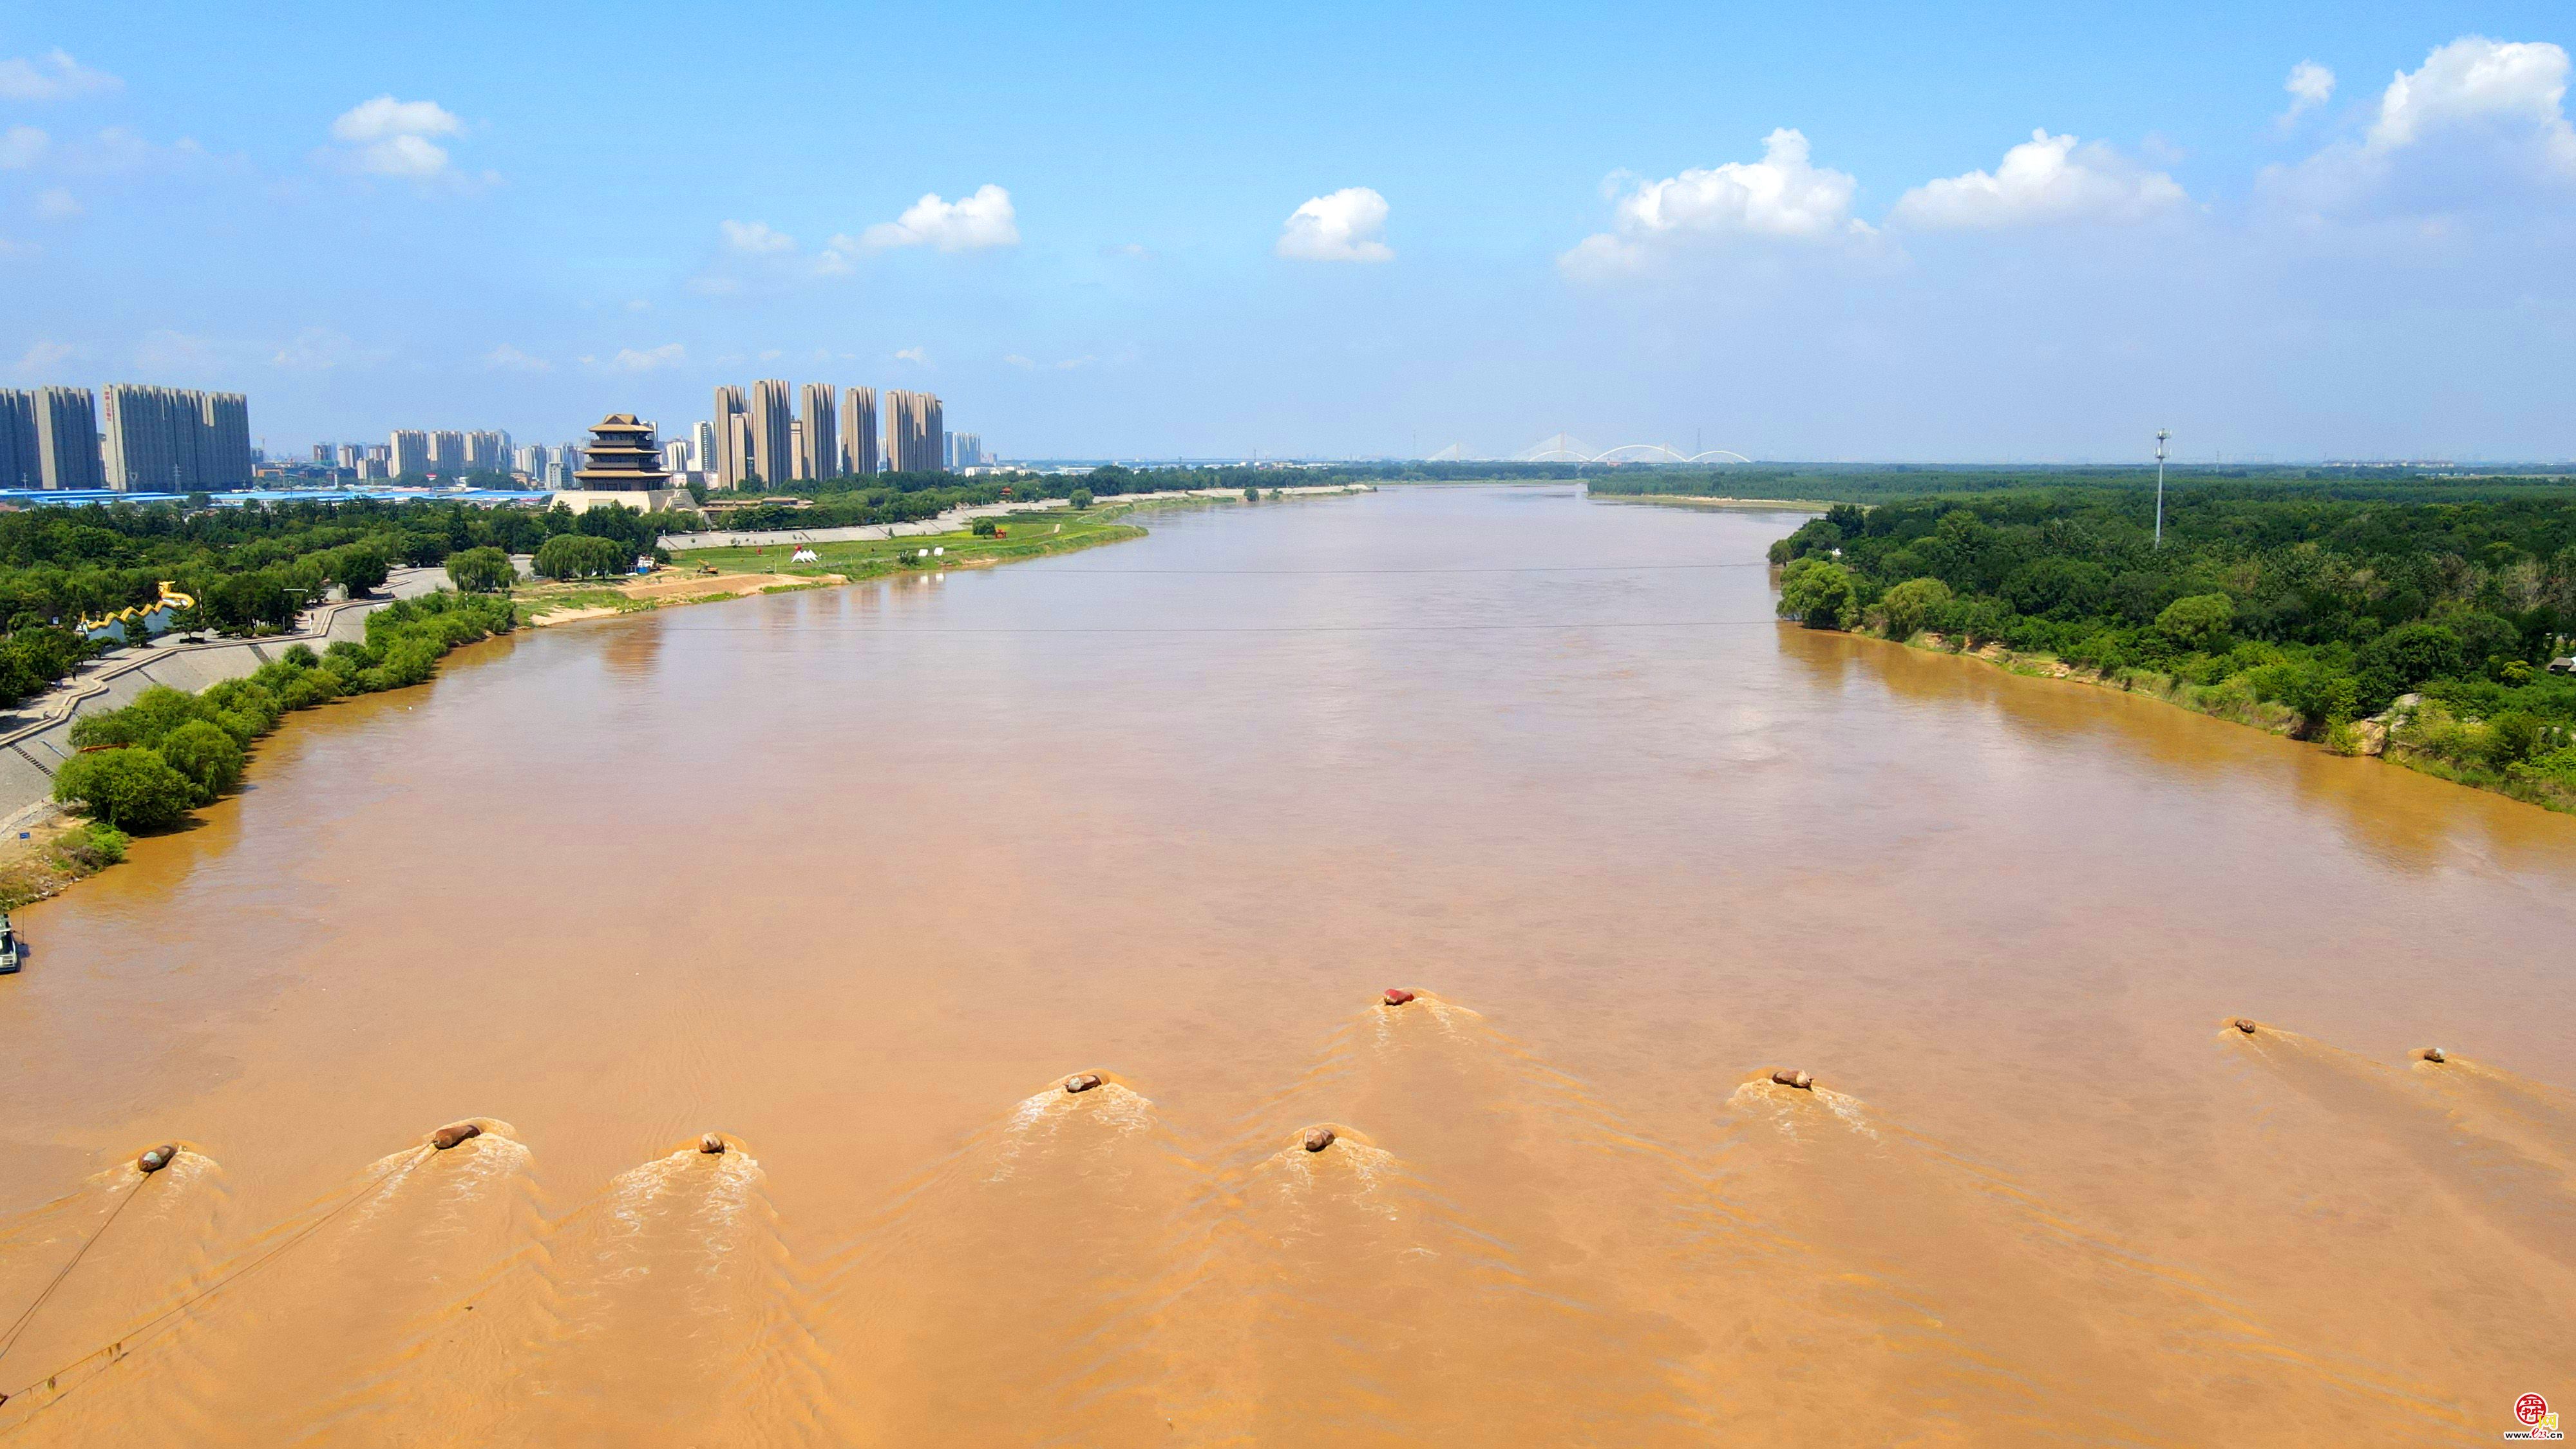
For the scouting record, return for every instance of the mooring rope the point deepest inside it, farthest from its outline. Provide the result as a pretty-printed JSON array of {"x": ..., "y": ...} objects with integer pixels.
[
  {"x": 169, "y": 1317},
  {"x": 19, "y": 1328}
]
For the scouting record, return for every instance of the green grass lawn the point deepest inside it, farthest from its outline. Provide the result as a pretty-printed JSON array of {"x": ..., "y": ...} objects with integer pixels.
[{"x": 1028, "y": 536}]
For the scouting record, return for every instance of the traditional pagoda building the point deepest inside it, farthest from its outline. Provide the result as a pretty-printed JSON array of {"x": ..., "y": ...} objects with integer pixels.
[{"x": 623, "y": 464}]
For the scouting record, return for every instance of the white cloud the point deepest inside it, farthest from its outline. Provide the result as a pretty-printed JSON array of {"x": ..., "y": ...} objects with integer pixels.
[
  {"x": 165, "y": 350},
  {"x": 20, "y": 146},
  {"x": 2480, "y": 122},
  {"x": 318, "y": 349},
  {"x": 43, "y": 356},
  {"x": 1783, "y": 196},
  {"x": 2044, "y": 179},
  {"x": 756, "y": 237},
  {"x": 913, "y": 355},
  {"x": 1344, "y": 226},
  {"x": 385, "y": 117},
  {"x": 2476, "y": 82},
  {"x": 506, "y": 358},
  {"x": 2310, "y": 85},
  {"x": 387, "y": 137},
  {"x": 669, "y": 354},
  {"x": 56, "y": 76},
  {"x": 984, "y": 219},
  {"x": 55, "y": 204},
  {"x": 1016, "y": 360},
  {"x": 11, "y": 247}
]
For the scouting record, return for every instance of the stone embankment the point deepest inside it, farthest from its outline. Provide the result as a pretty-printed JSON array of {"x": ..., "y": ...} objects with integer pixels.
[{"x": 35, "y": 738}]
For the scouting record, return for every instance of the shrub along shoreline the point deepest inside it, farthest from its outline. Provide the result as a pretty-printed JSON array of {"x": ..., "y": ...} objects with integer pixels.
[
  {"x": 2420, "y": 631},
  {"x": 149, "y": 765}
]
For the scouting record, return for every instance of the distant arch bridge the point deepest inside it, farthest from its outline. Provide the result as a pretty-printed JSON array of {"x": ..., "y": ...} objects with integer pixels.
[{"x": 1566, "y": 448}]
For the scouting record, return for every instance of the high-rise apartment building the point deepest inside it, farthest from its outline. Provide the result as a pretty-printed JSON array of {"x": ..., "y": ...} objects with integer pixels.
[
  {"x": 529, "y": 459},
  {"x": 773, "y": 432},
  {"x": 821, "y": 453},
  {"x": 150, "y": 443},
  {"x": 966, "y": 450},
  {"x": 19, "y": 466},
  {"x": 675, "y": 456},
  {"x": 67, "y": 451},
  {"x": 223, "y": 440},
  {"x": 859, "y": 432},
  {"x": 371, "y": 465},
  {"x": 408, "y": 452},
  {"x": 447, "y": 453},
  {"x": 729, "y": 437},
  {"x": 702, "y": 448},
  {"x": 487, "y": 452},
  {"x": 916, "y": 430},
  {"x": 350, "y": 455}
]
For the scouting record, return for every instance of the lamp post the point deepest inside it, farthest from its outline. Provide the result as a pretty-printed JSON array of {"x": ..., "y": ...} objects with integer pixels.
[{"x": 2161, "y": 435}]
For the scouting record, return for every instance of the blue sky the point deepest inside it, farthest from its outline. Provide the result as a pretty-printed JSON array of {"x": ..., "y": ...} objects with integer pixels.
[{"x": 2282, "y": 231}]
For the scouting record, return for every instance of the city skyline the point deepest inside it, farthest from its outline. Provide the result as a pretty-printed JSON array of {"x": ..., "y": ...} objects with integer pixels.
[{"x": 1895, "y": 235}]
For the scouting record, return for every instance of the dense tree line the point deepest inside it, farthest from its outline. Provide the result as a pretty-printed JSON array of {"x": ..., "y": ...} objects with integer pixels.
[
  {"x": 1890, "y": 482},
  {"x": 2329, "y": 608},
  {"x": 144, "y": 767}
]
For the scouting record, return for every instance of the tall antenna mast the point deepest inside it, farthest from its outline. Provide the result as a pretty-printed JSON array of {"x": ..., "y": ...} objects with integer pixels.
[{"x": 2161, "y": 435}]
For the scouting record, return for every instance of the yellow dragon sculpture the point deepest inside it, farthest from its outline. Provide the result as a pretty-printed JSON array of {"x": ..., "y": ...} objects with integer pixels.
[{"x": 170, "y": 599}]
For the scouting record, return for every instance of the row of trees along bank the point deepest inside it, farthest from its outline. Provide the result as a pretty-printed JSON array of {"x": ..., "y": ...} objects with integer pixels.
[
  {"x": 252, "y": 569},
  {"x": 146, "y": 766},
  {"x": 2306, "y": 614},
  {"x": 912, "y": 497}
]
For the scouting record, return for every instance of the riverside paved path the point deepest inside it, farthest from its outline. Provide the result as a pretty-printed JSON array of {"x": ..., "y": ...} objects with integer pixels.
[
  {"x": 956, "y": 518},
  {"x": 35, "y": 737}
]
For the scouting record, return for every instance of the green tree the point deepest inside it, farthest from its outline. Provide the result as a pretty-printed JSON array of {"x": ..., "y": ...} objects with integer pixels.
[
  {"x": 1251, "y": 493},
  {"x": 1079, "y": 498},
  {"x": 2410, "y": 654},
  {"x": 1818, "y": 592},
  {"x": 579, "y": 556},
  {"x": 208, "y": 756},
  {"x": 2198, "y": 622},
  {"x": 361, "y": 568},
  {"x": 1911, "y": 606},
  {"x": 984, "y": 528},
  {"x": 131, "y": 789},
  {"x": 484, "y": 570}
]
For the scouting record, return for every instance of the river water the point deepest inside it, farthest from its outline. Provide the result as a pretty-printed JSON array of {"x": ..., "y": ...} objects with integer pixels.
[{"x": 856, "y": 876}]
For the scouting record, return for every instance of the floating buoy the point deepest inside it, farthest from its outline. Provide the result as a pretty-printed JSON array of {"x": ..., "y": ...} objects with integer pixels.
[
  {"x": 1319, "y": 1139},
  {"x": 1788, "y": 1077},
  {"x": 1397, "y": 996},
  {"x": 2429, "y": 1054},
  {"x": 711, "y": 1143},
  {"x": 2245, "y": 1024},
  {"x": 1082, "y": 1081},
  {"x": 453, "y": 1133},
  {"x": 158, "y": 1158}
]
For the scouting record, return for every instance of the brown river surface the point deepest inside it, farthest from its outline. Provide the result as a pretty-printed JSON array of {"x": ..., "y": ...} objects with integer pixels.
[{"x": 856, "y": 876}]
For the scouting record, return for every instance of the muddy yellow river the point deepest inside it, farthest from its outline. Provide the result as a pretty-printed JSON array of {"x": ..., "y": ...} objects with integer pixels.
[{"x": 857, "y": 877}]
